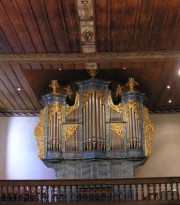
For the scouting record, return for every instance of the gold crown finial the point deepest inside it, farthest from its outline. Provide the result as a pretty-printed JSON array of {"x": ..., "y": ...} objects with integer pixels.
[
  {"x": 92, "y": 72},
  {"x": 54, "y": 85},
  {"x": 132, "y": 84}
]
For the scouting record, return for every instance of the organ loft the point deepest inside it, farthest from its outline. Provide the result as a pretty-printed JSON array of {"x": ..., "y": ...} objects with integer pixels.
[{"x": 93, "y": 137}]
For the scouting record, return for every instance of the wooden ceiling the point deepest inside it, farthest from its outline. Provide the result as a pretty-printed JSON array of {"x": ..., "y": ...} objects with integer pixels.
[{"x": 39, "y": 37}]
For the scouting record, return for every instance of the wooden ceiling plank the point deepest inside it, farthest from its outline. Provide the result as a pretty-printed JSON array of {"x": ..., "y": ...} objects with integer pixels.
[
  {"x": 9, "y": 32},
  {"x": 101, "y": 17},
  {"x": 136, "y": 24},
  {"x": 143, "y": 24},
  {"x": 2, "y": 105},
  {"x": 36, "y": 66},
  {"x": 9, "y": 96},
  {"x": 116, "y": 25},
  {"x": 167, "y": 31},
  {"x": 172, "y": 44},
  {"x": 25, "y": 66},
  {"x": 49, "y": 24},
  {"x": 18, "y": 25},
  {"x": 42, "y": 23},
  {"x": 8, "y": 80},
  {"x": 128, "y": 24},
  {"x": 28, "y": 19},
  {"x": 24, "y": 83},
  {"x": 150, "y": 27},
  {"x": 70, "y": 19},
  {"x": 171, "y": 79},
  {"x": 65, "y": 58},
  {"x": 7, "y": 104},
  {"x": 46, "y": 66},
  {"x": 109, "y": 24},
  {"x": 162, "y": 75},
  {"x": 4, "y": 45},
  {"x": 157, "y": 22}
]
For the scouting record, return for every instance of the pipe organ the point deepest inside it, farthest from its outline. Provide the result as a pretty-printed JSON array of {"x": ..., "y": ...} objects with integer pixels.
[{"x": 94, "y": 138}]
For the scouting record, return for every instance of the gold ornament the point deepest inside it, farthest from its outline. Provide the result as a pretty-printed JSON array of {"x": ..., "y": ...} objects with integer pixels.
[
  {"x": 54, "y": 85},
  {"x": 117, "y": 108},
  {"x": 89, "y": 92},
  {"x": 132, "y": 84},
  {"x": 39, "y": 133},
  {"x": 53, "y": 108},
  {"x": 70, "y": 130},
  {"x": 70, "y": 109},
  {"x": 117, "y": 128},
  {"x": 148, "y": 131}
]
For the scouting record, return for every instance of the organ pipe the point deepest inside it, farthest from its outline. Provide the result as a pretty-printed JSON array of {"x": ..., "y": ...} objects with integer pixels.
[{"x": 91, "y": 116}]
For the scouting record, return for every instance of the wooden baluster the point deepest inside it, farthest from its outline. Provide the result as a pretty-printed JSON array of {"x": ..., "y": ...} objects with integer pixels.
[
  {"x": 71, "y": 193},
  {"x": 41, "y": 193},
  {"x": 124, "y": 192},
  {"x": 113, "y": 193},
  {"x": 154, "y": 191},
  {"x": 47, "y": 193},
  {"x": 77, "y": 193},
  {"x": 148, "y": 191},
  {"x": 119, "y": 193},
  {"x": 166, "y": 196},
  {"x": 130, "y": 191},
  {"x": 142, "y": 191},
  {"x": 136, "y": 191},
  {"x": 59, "y": 193},
  {"x": 52, "y": 194},
  {"x": 172, "y": 193},
  {"x": 177, "y": 190},
  {"x": 65, "y": 197},
  {"x": 160, "y": 192}
]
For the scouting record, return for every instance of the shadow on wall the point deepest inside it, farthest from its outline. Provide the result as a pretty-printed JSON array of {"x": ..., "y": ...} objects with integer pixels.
[
  {"x": 165, "y": 160},
  {"x": 20, "y": 151},
  {"x": 4, "y": 127}
]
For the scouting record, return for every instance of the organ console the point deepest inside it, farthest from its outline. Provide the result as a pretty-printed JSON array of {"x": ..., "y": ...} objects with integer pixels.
[{"x": 94, "y": 138}]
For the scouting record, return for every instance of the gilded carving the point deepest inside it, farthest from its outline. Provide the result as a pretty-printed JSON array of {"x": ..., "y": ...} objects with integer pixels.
[
  {"x": 70, "y": 109},
  {"x": 92, "y": 72},
  {"x": 89, "y": 92},
  {"x": 131, "y": 83},
  {"x": 135, "y": 106},
  {"x": 39, "y": 133},
  {"x": 148, "y": 131},
  {"x": 117, "y": 108},
  {"x": 53, "y": 108},
  {"x": 70, "y": 130},
  {"x": 54, "y": 85},
  {"x": 117, "y": 128}
]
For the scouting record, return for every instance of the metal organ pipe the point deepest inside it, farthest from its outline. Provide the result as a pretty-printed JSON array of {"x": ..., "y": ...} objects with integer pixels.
[
  {"x": 103, "y": 126},
  {"x": 133, "y": 130},
  {"x": 97, "y": 122},
  {"x": 89, "y": 123},
  {"x": 94, "y": 123}
]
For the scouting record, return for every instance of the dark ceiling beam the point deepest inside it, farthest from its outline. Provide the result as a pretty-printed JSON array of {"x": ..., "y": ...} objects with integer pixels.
[{"x": 109, "y": 57}]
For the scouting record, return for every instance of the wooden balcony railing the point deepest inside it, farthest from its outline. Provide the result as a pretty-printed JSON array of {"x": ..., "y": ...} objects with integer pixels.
[{"x": 106, "y": 191}]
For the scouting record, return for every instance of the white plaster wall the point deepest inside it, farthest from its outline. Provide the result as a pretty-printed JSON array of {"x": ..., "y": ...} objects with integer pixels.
[
  {"x": 18, "y": 150},
  {"x": 19, "y": 160},
  {"x": 165, "y": 158}
]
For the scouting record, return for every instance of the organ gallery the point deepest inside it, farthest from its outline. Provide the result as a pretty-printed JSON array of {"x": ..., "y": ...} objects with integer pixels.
[{"x": 93, "y": 136}]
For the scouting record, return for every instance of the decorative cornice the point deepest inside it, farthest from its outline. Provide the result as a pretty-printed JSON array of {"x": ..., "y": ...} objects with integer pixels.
[
  {"x": 19, "y": 113},
  {"x": 35, "y": 113},
  {"x": 106, "y": 57}
]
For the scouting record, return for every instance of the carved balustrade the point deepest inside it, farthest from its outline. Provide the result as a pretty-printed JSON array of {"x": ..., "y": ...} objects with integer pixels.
[{"x": 159, "y": 190}]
